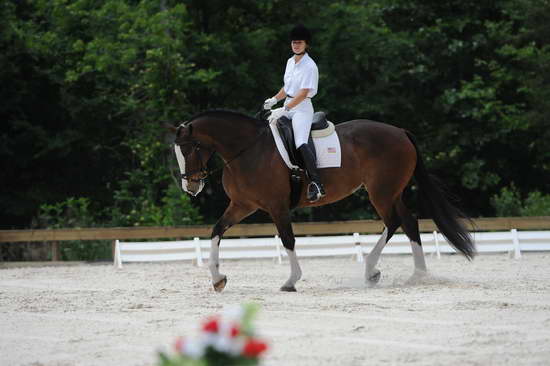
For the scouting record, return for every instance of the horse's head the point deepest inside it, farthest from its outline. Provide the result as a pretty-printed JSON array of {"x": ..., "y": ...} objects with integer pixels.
[{"x": 192, "y": 159}]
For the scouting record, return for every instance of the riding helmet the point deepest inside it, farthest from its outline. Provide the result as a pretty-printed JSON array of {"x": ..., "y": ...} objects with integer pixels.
[{"x": 300, "y": 33}]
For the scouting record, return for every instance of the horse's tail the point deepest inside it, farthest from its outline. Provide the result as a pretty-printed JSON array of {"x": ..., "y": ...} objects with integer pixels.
[{"x": 445, "y": 215}]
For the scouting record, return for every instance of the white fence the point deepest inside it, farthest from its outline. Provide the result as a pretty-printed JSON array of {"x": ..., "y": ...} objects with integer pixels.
[{"x": 355, "y": 246}]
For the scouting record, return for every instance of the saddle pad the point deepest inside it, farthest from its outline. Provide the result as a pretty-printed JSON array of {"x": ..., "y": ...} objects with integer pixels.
[
  {"x": 329, "y": 154},
  {"x": 328, "y": 150}
]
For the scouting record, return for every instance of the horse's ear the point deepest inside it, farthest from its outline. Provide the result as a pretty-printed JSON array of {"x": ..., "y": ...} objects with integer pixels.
[{"x": 169, "y": 127}]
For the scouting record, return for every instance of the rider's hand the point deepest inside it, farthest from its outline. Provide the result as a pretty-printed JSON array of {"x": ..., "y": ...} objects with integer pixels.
[
  {"x": 276, "y": 114},
  {"x": 269, "y": 103}
]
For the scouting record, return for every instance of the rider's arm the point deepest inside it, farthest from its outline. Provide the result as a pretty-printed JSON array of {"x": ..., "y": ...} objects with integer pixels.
[
  {"x": 280, "y": 95},
  {"x": 298, "y": 98}
]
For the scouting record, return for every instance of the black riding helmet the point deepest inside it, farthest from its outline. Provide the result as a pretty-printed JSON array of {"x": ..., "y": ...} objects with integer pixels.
[{"x": 300, "y": 33}]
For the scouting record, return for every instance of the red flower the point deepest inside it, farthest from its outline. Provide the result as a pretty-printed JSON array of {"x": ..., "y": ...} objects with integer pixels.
[
  {"x": 253, "y": 348},
  {"x": 234, "y": 331},
  {"x": 211, "y": 326},
  {"x": 178, "y": 344}
]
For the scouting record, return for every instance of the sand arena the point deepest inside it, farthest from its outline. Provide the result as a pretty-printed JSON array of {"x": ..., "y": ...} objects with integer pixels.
[{"x": 492, "y": 311}]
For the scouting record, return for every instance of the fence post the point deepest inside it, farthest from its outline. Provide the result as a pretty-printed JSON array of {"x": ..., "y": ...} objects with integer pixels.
[
  {"x": 515, "y": 239},
  {"x": 113, "y": 249},
  {"x": 55, "y": 251},
  {"x": 117, "y": 258},
  {"x": 358, "y": 247},
  {"x": 278, "y": 247},
  {"x": 438, "y": 253},
  {"x": 198, "y": 251}
]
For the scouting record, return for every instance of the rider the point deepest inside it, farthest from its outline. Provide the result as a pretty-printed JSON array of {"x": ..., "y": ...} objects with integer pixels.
[{"x": 300, "y": 85}]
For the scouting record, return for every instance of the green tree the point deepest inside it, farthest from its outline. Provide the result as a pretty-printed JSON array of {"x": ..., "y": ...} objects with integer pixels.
[
  {"x": 87, "y": 84},
  {"x": 114, "y": 70}
]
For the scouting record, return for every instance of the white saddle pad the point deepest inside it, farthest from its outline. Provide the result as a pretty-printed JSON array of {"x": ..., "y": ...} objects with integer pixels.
[{"x": 329, "y": 154}]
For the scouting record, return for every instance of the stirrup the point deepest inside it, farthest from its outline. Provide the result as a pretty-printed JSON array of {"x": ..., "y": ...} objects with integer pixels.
[{"x": 315, "y": 192}]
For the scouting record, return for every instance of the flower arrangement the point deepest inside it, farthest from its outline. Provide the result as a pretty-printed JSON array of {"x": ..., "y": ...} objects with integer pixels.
[{"x": 224, "y": 340}]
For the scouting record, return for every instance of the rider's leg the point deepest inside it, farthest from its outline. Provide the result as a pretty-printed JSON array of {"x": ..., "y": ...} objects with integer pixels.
[
  {"x": 302, "y": 117},
  {"x": 315, "y": 189}
]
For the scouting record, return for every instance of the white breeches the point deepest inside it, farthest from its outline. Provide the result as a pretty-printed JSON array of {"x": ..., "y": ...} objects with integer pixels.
[{"x": 301, "y": 116}]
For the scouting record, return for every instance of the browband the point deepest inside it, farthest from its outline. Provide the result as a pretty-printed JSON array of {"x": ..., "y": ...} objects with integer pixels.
[{"x": 189, "y": 127}]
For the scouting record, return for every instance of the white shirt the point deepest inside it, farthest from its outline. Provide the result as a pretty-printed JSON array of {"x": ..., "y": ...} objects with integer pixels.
[{"x": 301, "y": 75}]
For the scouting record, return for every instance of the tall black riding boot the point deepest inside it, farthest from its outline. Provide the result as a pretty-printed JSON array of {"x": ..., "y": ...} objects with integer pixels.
[{"x": 315, "y": 189}]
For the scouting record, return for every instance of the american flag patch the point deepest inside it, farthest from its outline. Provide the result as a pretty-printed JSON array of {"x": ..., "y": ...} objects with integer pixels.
[{"x": 331, "y": 150}]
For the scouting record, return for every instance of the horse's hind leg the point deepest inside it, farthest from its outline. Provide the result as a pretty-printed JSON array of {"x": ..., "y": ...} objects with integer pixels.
[
  {"x": 391, "y": 223},
  {"x": 410, "y": 225},
  {"x": 232, "y": 215}
]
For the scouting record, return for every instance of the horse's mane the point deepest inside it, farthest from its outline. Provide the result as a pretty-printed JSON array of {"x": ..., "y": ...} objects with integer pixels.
[{"x": 228, "y": 113}]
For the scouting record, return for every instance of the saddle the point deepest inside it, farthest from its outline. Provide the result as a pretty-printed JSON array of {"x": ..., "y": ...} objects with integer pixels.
[{"x": 284, "y": 125}]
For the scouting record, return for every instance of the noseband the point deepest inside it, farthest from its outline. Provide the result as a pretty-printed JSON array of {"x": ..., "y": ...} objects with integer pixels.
[{"x": 203, "y": 169}]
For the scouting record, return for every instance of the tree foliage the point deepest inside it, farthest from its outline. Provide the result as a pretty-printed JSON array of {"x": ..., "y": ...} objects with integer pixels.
[{"x": 86, "y": 86}]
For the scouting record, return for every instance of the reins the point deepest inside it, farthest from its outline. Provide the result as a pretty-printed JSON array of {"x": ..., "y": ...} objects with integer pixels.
[
  {"x": 204, "y": 167},
  {"x": 239, "y": 153}
]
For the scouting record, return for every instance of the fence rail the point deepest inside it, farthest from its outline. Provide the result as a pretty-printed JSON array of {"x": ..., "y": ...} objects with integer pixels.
[
  {"x": 355, "y": 246},
  {"x": 250, "y": 230},
  {"x": 54, "y": 236}
]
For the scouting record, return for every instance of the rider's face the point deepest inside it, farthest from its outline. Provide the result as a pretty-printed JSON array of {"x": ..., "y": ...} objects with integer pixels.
[{"x": 298, "y": 46}]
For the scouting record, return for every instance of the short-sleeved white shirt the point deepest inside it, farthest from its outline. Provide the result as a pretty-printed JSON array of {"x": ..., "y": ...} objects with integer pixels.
[{"x": 301, "y": 75}]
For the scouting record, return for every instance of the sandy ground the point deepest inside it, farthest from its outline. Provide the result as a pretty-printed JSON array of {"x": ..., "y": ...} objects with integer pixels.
[{"x": 493, "y": 311}]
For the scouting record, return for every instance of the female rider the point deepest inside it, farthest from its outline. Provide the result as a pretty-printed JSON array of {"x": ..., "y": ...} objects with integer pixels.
[{"x": 300, "y": 85}]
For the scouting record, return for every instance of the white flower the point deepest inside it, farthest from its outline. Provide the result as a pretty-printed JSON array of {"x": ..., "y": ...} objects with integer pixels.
[
  {"x": 237, "y": 346},
  {"x": 222, "y": 344},
  {"x": 194, "y": 348}
]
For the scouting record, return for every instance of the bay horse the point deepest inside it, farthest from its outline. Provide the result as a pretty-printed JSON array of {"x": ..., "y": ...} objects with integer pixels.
[{"x": 380, "y": 157}]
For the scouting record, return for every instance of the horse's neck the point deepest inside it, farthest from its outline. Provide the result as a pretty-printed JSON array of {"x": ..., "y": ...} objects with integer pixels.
[{"x": 228, "y": 137}]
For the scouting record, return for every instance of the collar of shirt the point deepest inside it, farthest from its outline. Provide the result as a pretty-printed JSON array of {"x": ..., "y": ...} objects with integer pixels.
[{"x": 304, "y": 60}]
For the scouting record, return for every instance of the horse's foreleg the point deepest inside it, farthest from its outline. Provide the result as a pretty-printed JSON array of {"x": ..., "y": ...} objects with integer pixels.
[
  {"x": 232, "y": 215},
  {"x": 284, "y": 227},
  {"x": 295, "y": 271},
  {"x": 218, "y": 280}
]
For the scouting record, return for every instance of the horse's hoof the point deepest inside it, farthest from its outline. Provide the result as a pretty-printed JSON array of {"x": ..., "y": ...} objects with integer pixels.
[
  {"x": 288, "y": 289},
  {"x": 220, "y": 285},
  {"x": 417, "y": 278},
  {"x": 373, "y": 279}
]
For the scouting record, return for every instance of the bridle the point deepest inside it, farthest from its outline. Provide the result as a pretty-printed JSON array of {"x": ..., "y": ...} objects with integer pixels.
[{"x": 203, "y": 171}]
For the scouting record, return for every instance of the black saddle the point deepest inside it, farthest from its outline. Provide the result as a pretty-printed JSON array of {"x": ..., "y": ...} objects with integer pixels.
[
  {"x": 284, "y": 126},
  {"x": 319, "y": 121}
]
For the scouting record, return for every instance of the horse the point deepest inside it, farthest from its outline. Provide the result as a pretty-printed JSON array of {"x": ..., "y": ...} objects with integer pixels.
[{"x": 380, "y": 157}]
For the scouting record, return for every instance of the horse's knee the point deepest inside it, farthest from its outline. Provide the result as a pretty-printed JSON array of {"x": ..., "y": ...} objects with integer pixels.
[{"x": 220, "y": 228}]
